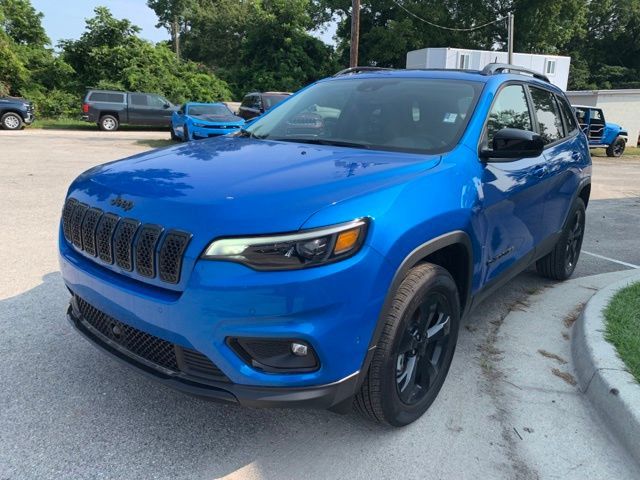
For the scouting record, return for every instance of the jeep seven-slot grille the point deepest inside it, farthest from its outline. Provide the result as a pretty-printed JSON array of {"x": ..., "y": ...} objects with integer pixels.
[
  {"x": 154, "y": 350},
  {"x": 125, "y": 242}
]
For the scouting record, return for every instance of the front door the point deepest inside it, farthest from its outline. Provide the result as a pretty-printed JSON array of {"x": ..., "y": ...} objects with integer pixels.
[{"x": 513, "y": 191}]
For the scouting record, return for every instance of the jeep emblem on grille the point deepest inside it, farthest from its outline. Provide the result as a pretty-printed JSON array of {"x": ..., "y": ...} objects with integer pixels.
[{"x": 126, "y": 205}]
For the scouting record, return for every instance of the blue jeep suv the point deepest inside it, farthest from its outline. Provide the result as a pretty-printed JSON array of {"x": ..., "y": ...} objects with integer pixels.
[{"x": 325, "y": 255}]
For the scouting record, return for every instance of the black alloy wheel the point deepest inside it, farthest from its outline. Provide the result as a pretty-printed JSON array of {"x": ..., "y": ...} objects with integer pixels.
[{"x": 421, "y": 353}]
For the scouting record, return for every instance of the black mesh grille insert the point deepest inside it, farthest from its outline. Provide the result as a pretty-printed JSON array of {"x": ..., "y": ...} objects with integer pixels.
[
  {"x": 199, "y": 365},
  {"x": 89, "y": 225},
  {"x": 76, "y": 224},
  {"x": 123, "y": 243},
  {"x": 67, "y": 213},
  {"x": 104, "y": 236},
  {"x": 145, "y": 250},
  {"x": 149, "y": 347},
  {"x": 171, "y": 252}
]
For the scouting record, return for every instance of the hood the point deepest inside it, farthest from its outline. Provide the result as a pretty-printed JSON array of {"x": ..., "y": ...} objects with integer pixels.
[
  {"x": 209, "y": 118},
  {"x": 235, "y": 186},
  {"x": 13, "y": 100}
]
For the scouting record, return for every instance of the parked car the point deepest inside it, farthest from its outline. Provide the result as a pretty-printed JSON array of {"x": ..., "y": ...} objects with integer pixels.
[
  {"x": 203, "y": 120},
  {"x": 15, "y": 113},
  {"x": 599, "y": 132},
  {"x": 109, "y": 109},
  {"x": 334, "y": 267},
  {"x": 256, "y": 103}
]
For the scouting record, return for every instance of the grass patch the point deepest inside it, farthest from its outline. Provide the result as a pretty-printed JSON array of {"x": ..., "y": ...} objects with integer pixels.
[
  {"x": 623, "y": 326},
  {"x": 62, "y": 124},
  {"x": 77, "y": 124},
  {"x": 629, "y": 151}
]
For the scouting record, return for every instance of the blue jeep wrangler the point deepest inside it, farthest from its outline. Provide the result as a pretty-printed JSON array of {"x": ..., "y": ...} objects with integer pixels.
[
  {"x": 599, "y": 132},
  {"x": 326, "y": 255}
]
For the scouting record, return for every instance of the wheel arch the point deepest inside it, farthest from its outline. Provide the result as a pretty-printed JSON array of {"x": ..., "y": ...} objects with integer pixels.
[
  {"x": 585, "y": 192},
  {"x": 452, "y": 251},
  {"x": 11, "y": 110},
  {"x": 109, "y": 112}
]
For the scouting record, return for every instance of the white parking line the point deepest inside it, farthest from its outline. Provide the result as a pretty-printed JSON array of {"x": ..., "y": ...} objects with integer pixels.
[{"x": 611, "y": 259}]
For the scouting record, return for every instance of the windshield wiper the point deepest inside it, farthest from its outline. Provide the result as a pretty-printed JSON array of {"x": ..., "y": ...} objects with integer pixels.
[
  {"x": 323, "y": 141},
  {"x": 246, "y": 133}
]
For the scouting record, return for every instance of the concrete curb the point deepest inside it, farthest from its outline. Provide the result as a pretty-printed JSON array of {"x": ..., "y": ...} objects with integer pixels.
[{"x": 602, "y": 375}]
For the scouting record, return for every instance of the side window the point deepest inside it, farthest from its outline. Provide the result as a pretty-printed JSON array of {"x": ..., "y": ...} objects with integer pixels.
[
  {"x": 256, "y": 102},
  {"x": 509, "y": 110},
  {"x": 156, "y": 101},
  {"x": 246, "y": 101},
  {"x": 567, "y": 114},
  {"x": 139, "y": 99},
  {"x": 548, "y": 115}
]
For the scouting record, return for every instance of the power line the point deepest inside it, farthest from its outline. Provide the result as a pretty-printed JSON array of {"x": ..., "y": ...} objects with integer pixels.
[{"x": 447, "y": 28}]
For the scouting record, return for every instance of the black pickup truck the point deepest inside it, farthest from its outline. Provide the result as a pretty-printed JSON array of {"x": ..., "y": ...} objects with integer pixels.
[
  {"x": 109, "y": 109},
  {"x": 15, "y": 113}
]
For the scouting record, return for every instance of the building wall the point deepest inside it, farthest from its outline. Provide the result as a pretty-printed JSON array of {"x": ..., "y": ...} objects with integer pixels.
[
  {"x": 619, "y": 106},
  {"x": 478, "y": 59}
]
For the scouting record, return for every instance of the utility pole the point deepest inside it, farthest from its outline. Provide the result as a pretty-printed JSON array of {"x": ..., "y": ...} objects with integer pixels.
[
  {"x": 510, "y": 39},
  {"x": 355, "y": 32},
  {"x": 175, "y": 33}
]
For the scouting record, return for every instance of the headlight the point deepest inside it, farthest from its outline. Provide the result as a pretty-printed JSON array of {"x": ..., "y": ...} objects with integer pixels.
[
  {"x": 292, "y": 251},
  {"x": 195, "y": 124}
]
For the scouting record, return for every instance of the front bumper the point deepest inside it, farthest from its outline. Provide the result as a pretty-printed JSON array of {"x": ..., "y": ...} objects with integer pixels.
[
  {"x": 206, "y": 132},
  {"x": 321, "y": 396},
  {"x": 333, "y": 308},
  {"x": 29, "y": 118}
]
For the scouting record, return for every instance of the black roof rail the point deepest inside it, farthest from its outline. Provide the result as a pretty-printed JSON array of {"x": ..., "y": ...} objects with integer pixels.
[
  {"x": 493, "y": 68},
  {"x": 350, "y": 70}
]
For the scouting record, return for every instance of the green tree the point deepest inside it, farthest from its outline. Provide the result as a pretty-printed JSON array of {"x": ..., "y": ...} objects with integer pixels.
[
  {"x": 109, "y": 54},
  {"x": 258, "y": 44},
  {"x": 22, "y": 23},
  {"x": 172, "y": 15}
]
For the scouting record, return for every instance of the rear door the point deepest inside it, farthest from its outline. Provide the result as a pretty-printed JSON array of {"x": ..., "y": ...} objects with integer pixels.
[
  {"x": 566, "y": 153},
  {"x": 513, "y": 190}
]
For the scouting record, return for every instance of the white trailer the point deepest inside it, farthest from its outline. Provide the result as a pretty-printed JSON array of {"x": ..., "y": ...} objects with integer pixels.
[{"x": 555, "y": 67}]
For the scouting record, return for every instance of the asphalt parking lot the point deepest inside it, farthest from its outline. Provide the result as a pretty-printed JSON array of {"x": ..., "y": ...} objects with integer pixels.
[{"x": 69, "y": 411}]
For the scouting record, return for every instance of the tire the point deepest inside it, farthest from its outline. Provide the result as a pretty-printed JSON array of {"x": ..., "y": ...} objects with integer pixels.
[
  {"x": 108, "y": 123},
  {"x": 186, "y": 137},
  {"x": 400, "y": 386},
  {"x": 11, "y": 121},
  {"x": 616, "y": 149},
  {"x": 174, "y": 137},
  {"x": 561, "y": 262}
]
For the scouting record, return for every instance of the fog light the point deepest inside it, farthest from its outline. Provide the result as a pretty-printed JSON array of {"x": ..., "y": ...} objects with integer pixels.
[
  {"x": 276, "y": 355},
  {"x": 299, "y": 349}
]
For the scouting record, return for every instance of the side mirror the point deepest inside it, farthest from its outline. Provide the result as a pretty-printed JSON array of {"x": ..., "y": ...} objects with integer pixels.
[
  {"x": 167, "y": 105},
  {"x": 510, "y": 143}
]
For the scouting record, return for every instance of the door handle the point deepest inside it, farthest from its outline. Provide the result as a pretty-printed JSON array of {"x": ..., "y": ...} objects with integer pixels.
[{"x": 539, "y": 171}]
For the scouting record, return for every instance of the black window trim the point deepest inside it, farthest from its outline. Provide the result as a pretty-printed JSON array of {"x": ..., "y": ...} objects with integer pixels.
[{"x": 560, "y": 99}]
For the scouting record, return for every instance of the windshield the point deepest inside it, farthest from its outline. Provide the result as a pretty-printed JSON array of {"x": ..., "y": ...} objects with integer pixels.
[
  {"x": 196, "y": 110},
  {"x": 271, "y": 100},
  {"x": 398, "y": 114}
]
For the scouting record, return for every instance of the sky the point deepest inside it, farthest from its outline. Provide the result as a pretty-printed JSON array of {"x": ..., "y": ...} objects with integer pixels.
[{"x": 65, "y": 19}]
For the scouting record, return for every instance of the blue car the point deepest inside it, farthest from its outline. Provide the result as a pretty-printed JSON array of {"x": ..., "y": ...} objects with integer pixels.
[
  {"x": 203, "y": 120},
  {"x": 599, "y": 132},
  {"x": 326, "y": 255}
]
